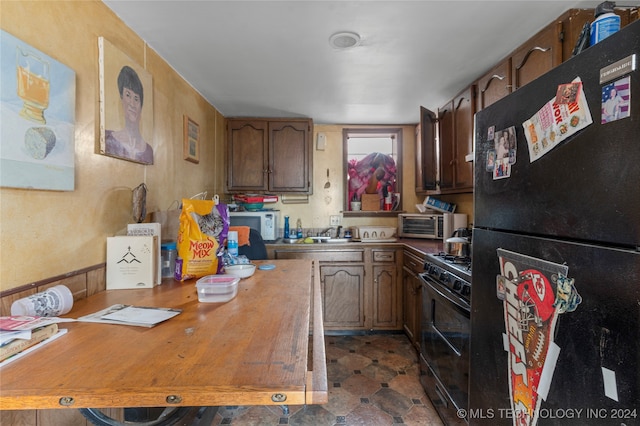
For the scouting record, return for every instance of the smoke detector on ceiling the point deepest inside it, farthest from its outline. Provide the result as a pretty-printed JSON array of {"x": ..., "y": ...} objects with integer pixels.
[{"x": 344, "y": 40}]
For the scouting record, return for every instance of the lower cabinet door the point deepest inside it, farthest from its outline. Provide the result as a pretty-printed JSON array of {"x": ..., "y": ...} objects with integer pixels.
[
  {"x": 343, "y": 296},
  {"x": 385, "y": 297}
]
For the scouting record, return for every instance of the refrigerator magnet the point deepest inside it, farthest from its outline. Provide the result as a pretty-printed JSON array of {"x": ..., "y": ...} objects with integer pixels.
[
  {"x": 616, "y": 100},
  {"x": 502, "y": 169},
  {"x": 491, "y": 160},
  {"x": 568, "y": 93},
  {"x": 501, "y": 286}
]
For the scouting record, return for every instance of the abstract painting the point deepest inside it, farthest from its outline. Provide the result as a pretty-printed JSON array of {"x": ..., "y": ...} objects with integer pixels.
[{"x": 37, "y": 118}]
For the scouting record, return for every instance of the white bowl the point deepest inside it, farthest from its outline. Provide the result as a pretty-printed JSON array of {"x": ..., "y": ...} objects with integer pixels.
[{"x": 241, "y": 270}]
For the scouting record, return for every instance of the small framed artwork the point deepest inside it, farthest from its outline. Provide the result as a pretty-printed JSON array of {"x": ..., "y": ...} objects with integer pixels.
[{"x": 191, "y": 140}]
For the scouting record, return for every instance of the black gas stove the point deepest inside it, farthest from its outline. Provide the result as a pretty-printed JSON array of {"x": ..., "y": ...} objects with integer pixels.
[{"x": 445, "y": 328}]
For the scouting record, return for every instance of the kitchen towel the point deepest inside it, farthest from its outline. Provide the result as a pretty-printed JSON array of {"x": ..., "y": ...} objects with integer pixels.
[{"x": 243, "y": 234}]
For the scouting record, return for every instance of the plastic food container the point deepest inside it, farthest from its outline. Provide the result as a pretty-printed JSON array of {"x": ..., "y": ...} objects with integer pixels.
[
  {"x": 168, "y": 254},
  {"x": 217, "y": 288}
]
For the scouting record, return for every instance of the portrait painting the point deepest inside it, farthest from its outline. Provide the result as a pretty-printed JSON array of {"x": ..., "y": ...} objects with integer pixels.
[
  {"x": 126, "y": 106},
  {"x": 37, "y": 118}
]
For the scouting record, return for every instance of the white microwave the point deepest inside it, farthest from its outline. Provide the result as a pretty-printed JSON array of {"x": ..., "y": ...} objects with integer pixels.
[
  {"x": 420, "y": 225},
  {"x": 266, "y": 222}
]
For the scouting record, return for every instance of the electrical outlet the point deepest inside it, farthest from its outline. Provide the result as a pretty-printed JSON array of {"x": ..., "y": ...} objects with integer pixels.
[{"x": 335, "y": 220}]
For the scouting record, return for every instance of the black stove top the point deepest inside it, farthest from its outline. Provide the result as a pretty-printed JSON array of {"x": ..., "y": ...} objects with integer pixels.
[
  {"x": 459, "y": 265},
  {"x": 450, "y": 272}
]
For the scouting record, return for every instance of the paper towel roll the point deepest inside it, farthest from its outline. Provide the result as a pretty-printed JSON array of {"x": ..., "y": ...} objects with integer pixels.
[{"x": 451, "y": 222}]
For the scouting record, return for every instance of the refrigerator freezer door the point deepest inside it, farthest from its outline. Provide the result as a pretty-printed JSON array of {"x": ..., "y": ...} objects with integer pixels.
[
  {"x": 598, "y": 363},
  {"x": 588, "y": 187}
]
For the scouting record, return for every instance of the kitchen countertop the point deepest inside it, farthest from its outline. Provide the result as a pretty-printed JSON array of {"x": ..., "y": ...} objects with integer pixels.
[
  {"x": 421, "y": 246},
  {"x": 248, "y": 351}
]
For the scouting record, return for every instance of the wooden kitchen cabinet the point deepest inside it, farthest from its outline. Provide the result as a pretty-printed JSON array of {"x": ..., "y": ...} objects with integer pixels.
[
  {"x": 360, "y": 286},
  {"x": 455, "y": 131},
  {"x": 441, "y": 167},
  {"x": 412, "y": 265},
  {"x": 269, "y": 155},
  {"x": 574, "y": 19}
]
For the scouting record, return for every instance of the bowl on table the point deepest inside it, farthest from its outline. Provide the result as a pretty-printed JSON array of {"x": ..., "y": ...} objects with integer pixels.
[{"x": 244, "y": 270}]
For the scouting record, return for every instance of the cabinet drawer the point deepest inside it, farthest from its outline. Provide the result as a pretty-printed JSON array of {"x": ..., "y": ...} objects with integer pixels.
[
  {"x": 413, "y": 262},
  {"x": 322, "y": 255},
  {"x": 384, "y": 255}
]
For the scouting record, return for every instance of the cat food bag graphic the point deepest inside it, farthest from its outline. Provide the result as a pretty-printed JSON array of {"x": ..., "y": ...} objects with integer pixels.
[
  {"x": 534, "y": 292},
  {"x": 204, "y": 226}
]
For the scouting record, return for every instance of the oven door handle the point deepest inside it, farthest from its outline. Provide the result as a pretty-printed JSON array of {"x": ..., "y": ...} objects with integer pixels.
[
  {"x": 453, "y": 348},
  {"x": 457, "y": 303}
]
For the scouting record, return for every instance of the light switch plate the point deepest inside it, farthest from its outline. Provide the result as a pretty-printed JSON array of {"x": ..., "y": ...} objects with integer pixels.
[
  {"x": 335, "y": 220},
  {"x": 321, "y": 142}
]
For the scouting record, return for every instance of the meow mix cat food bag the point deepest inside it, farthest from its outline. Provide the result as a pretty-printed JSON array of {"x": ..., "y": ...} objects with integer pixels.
[{"x": 201, "y": 237}]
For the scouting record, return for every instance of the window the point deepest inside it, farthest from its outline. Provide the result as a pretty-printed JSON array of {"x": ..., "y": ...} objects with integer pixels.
[{"x": 372, "y": 161}]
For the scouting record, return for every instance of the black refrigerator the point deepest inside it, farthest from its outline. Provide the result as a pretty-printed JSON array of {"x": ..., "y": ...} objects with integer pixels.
[{"x": 555, "y": 312}]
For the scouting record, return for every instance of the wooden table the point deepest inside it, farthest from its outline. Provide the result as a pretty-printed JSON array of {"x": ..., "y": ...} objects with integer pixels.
[{"x": 252, "y": 350}]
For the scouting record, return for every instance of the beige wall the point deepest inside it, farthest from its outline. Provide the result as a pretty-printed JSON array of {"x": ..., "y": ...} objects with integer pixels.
[
  {"x": 48, "y": 233},
  {"x": 326, "y": 202}
]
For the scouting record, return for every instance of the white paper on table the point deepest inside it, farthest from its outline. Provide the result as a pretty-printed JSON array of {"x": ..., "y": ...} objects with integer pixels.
[{"x": 141, "y": 315}]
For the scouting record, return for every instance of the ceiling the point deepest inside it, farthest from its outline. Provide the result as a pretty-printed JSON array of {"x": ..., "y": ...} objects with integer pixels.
[{"x": 273, "y": 58}]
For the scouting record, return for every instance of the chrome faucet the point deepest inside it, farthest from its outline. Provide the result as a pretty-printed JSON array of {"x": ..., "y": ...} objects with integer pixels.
[
  {"x": 326, "y": 232},
  {"x": 329, "y": 232}
]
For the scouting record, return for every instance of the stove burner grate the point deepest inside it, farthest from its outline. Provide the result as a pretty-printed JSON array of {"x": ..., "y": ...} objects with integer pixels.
[{"x": 451, "y": 258}]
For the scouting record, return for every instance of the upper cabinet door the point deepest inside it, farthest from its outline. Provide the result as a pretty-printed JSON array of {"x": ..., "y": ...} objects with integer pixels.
[
  {"x": 271, "y": 155},
  {"x": 290, "y": 156},
  {"x": 494, "y": 85},
  {"x": 446, "y": 141},
  {"x": 426, "y": 159},
  {"x": 247, "y": 155},
  {"x": 538, "y": 55},
  {"x": 463, "y": 111}
]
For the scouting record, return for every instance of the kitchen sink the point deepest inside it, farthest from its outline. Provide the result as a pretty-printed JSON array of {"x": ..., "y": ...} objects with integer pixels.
[{"x": 316, "y": 240}]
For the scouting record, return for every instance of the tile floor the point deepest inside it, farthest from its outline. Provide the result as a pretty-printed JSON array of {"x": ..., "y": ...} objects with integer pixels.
[{"x": 373, "y": 380}]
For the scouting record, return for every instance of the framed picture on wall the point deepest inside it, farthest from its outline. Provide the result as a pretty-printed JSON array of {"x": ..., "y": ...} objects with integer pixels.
[
  {"x": 126, "y": 106},
  {"x": 37, "y": 119},
  {"x": 191, "y": 140}
]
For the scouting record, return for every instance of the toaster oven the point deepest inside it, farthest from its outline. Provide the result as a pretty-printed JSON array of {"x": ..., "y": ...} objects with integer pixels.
[{"x": 420, "y": 225}]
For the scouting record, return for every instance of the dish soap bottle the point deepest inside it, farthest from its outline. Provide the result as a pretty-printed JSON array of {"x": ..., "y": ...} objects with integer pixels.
[
  {"x": 299, "y": 229},
  {"x": 232, "y": 243},
  {"x": 286, "y": 227}
]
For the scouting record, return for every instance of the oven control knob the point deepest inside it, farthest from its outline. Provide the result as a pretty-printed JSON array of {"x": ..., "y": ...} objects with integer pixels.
[
  {"x": 466, "y": 291},
  {"x": 457, "y": 285}
]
